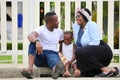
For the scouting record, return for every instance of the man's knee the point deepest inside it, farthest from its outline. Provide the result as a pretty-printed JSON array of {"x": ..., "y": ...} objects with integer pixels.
[{"x": 32, "y": 49}]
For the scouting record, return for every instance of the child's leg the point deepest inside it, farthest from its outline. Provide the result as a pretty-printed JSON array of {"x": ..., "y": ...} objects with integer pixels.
[
  {"x": 76, "y": 71},
  {"x": 67, "y": 73}
]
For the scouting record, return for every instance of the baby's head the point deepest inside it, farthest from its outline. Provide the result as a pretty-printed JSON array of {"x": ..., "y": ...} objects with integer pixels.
[{"x": 68, "y": 37}]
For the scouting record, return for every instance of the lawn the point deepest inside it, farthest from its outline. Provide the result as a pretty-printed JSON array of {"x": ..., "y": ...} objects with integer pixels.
[{"x": 8, "y": 59}]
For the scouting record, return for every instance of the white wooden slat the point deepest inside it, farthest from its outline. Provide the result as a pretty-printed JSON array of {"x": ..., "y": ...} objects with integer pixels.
[
  {"x": 77, "y": 4},
  {"x": 110, "y": 23},
  {"x": 25, "y": 31},
  {"x": 89, "y": 4},
  {"x": 100, "y": 16},
  {"x": 47, "y": 6},
  {"x": 67, "y": 15},
  {"x": 3, "y": 26},
  {"x": 36, "y": 13},
  {"x": 57, "y": 10},
  {"x": 14, "y": 31},
  {"x": 30, "y": 14}
]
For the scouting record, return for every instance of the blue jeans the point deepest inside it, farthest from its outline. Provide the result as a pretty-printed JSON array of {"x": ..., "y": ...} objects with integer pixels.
[{"x": 48, "y": 58}]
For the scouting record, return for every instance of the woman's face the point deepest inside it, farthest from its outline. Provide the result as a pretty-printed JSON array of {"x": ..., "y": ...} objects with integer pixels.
[{"x": 79, "y": 19}]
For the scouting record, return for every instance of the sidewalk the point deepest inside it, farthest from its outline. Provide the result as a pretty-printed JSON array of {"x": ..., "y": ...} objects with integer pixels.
[
  {"x": 61, "y": 79},
  {"x": 13, "y": 72}
]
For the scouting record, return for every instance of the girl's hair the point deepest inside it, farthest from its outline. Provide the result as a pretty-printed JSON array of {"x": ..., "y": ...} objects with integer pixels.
[{"x": 69, "y": 32}]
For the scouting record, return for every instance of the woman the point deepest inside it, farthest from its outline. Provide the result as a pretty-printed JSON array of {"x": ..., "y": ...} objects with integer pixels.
[{"x": 92, "y": 54}]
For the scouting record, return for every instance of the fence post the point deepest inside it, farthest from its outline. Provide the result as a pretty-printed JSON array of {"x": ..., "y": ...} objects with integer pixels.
[
  {"x": 47, "y": 6},
  {"x": 57, "y": 10},
  {"x": 14, "y": 31},
  {"x": 3, "y": 26},
  {"x": 25, "y": 30},
  {"x": 36, "y": 13},
  {"x": 99, "y": 17},
  {"x": 110, "y": 23},
  {"x": 67, "y": 15},
  {"x": 89, "y": 4}
]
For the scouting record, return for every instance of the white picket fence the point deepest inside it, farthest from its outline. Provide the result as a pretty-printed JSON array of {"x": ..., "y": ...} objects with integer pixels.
[{"x": 31, "y": 14}]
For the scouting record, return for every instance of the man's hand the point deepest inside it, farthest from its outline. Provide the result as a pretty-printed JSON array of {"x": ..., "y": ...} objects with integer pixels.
[{"x": 38, "y": 48}]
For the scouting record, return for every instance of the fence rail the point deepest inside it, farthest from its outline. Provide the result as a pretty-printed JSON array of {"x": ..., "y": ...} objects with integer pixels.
[{"x": 30, "y": 10}]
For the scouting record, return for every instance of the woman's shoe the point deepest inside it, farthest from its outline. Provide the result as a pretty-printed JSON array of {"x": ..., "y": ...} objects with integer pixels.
[
  {"x": 110, "y": 73},
  {"x": 116, "y": 73}
]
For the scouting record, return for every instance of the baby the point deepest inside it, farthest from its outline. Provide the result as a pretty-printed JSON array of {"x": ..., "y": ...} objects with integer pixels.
[{"x": 68, "y": 56}]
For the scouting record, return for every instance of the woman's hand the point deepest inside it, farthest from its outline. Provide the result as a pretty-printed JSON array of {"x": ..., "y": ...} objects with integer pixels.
[{"x": 38, "y": 48}]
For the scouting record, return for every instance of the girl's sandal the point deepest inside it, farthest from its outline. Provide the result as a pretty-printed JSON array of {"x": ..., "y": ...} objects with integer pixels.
[
  {"x": 67, "y": 74},
  {"x": 77, "y": 73}
]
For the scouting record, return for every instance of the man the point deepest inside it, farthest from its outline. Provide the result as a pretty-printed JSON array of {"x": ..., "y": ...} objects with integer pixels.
[{"x": 43, "y": 47}]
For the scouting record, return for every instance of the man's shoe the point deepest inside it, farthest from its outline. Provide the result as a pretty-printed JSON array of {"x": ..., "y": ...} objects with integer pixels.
[
  {"x": 58, "y": 70},
  {"x": 27, "y": 73},
  {"x": 110, "y": 73}
]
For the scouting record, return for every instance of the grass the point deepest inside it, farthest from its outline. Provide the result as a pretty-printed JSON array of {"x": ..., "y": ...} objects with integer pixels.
[
  {"x": 8, "y": 59},
  {"x": 116, "y": 59}
]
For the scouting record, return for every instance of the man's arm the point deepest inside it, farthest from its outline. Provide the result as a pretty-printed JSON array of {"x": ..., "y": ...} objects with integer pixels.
[{"x": 32, "y": 36}]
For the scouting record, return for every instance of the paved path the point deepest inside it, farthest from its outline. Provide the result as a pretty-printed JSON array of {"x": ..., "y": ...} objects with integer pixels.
[
  {"x": 13, "y": 72},
  {"x": 61, "y": 79}
]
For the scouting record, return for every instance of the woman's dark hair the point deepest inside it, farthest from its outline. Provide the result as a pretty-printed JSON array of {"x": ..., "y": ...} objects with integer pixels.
[
  {"x": 86, "y": 9},
  {"x": 48, "y": 16},
  {"x": 84, "y": 17}
]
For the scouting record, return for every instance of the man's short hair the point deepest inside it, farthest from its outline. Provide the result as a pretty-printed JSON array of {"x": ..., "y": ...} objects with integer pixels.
[{"x": 48, "y": 16}]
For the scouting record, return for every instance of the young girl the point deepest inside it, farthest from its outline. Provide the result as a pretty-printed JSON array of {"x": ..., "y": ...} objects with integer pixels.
[{"x": 68, "y": 56}]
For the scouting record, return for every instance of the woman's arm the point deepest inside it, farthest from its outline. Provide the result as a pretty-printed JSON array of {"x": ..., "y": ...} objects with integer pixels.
[{"x": 94, "y": 34}]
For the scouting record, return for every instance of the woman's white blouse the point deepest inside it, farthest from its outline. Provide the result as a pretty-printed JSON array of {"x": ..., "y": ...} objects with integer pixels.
[{"x": 91, "y": 35}]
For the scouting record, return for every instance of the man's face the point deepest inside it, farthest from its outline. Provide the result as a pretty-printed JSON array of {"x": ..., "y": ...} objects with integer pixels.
[{"x": 55, "y": 22}]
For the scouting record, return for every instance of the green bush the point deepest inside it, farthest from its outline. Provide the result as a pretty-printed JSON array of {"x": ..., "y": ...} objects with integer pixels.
[
  {"x": 9, "y": 46},
  {"x": 116, "y": 38},
  {"x": 20, "y": 46}
]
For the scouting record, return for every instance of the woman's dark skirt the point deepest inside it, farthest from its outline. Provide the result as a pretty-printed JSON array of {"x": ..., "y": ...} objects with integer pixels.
[{"x": 91, "y": 58}]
